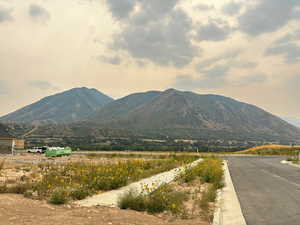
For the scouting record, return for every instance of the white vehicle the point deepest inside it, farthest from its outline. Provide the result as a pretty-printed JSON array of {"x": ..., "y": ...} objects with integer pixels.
[{"x": 37, "y": 150}]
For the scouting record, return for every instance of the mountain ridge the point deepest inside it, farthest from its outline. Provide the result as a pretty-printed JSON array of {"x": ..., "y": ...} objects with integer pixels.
[
  {"x": 175, "y": 110},
  {"x": 169, "y": 113},
  {"x": 65, "y": 107}
]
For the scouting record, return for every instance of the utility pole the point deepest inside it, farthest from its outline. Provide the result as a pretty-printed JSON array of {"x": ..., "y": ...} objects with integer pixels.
[{"x": 13, "y": 147}]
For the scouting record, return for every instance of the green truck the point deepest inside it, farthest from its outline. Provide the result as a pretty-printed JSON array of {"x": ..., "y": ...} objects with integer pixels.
[{"x": 57, "y": 151}]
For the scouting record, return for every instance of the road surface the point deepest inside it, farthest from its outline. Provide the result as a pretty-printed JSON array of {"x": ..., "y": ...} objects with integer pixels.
[{"x": 269, "y": 192}]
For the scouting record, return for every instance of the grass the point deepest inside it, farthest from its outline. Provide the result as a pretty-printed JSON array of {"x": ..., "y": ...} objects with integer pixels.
[
  {"x": 81, "y": 179},
  {"x": 272, "y": 150},
  {"x": 210, "y": 170},
  {"x": 141, "y": 156}
]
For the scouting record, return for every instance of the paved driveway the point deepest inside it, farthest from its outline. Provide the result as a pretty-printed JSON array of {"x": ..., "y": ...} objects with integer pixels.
[{"x": 269, "y": 192}]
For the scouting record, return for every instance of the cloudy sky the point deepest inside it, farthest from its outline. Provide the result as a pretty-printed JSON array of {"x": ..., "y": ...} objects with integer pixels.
[{"x": 247, "y": 50}]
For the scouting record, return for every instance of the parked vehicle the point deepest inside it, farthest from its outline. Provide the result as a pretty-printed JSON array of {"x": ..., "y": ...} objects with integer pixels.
[
  {"x": 58, "y": 151},
  {"x": 37, "y": 150}
]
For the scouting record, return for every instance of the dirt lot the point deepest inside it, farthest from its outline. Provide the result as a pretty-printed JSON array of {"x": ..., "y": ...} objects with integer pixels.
[{"x": 17, "y": 210}]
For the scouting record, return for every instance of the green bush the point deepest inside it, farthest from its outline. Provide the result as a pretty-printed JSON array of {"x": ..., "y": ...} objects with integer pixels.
[
  {"x": 58, "y": 198},
  {"x": 133, "y": 201},
  {"x": 162, "y": 199},
  {"x": 79, "y": 194},
  {"x": 28, "y": 194}
]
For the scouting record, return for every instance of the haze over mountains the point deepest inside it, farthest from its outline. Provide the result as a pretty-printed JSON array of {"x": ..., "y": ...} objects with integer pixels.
[
  {"x": 168, "y": 113},
  {"x": 293, "y": 121}
]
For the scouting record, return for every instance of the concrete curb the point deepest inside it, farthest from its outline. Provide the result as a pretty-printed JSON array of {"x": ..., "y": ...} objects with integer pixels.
[
  {"x": 111, "y": 198},
  {"x": 228, "y": 211},
  {"x": 289, "y": 163}
]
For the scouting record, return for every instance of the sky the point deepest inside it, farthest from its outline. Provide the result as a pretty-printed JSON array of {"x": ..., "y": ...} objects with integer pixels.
[{"x": 247, "y": 50}]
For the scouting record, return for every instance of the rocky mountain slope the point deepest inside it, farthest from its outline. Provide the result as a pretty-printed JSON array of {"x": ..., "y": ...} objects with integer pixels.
[
  {"x": 186, "y": 114},
  {"x": 171, "y": 113}
]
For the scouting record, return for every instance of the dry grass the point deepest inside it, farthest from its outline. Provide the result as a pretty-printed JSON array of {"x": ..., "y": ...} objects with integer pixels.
[{"x": 271, "y": 150}]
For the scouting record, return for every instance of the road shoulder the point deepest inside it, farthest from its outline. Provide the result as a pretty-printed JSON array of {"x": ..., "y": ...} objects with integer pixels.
[{"x": 229, "y": 210}]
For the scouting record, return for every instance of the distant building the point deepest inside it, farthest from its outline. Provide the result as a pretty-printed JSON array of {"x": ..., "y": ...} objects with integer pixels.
[{"x": 185, "y": 141}]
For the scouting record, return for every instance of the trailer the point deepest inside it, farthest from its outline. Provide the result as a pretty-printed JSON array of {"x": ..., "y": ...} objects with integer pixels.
[{"x": 58, "y": 151}]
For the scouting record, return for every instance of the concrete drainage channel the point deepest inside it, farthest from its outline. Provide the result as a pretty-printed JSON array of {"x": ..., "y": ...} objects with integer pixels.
[{"x": 111, "y": 198}]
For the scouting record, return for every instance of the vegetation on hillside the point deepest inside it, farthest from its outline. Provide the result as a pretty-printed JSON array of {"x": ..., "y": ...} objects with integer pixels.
[{"x": 272, "y": 150}]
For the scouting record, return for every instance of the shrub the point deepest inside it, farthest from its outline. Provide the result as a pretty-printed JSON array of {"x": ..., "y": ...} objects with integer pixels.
[
  {"x": 210, "y": 170},
  {"x": 133, "y": 201},
  {"x": 28, "y": 194},
  {"x": 79, "y": 194},
  {"x": 58, "y": 198},
  {"x": 160, "y": 200}
]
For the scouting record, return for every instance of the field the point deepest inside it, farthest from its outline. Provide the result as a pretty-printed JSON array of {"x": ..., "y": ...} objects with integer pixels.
[
  {"x": 272, "y": 150},
  {"x": 57, "y": 183}
]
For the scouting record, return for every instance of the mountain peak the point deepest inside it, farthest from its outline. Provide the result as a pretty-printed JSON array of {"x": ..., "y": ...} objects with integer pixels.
[
  {"x": 171, "y": 90},
  {"x": 68, "y": 106}
]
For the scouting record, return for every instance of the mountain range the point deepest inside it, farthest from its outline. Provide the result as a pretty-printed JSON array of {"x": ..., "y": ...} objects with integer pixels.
[{"x": 172, "y": 113}]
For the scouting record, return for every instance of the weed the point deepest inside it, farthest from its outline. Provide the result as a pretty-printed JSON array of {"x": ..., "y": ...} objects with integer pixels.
[
  {"x": 160, "y": 200},
  {"x": 28, "y": 194},
  {"x": 58, "y": 198},
  {"x": 209, "y": 171},
  {"x": 79, "y": 194},
  {"x": 207, "y": 196}
]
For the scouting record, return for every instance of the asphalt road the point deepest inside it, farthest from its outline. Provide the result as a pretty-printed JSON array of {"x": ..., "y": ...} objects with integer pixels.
[{"x": 269, "y": 192}]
